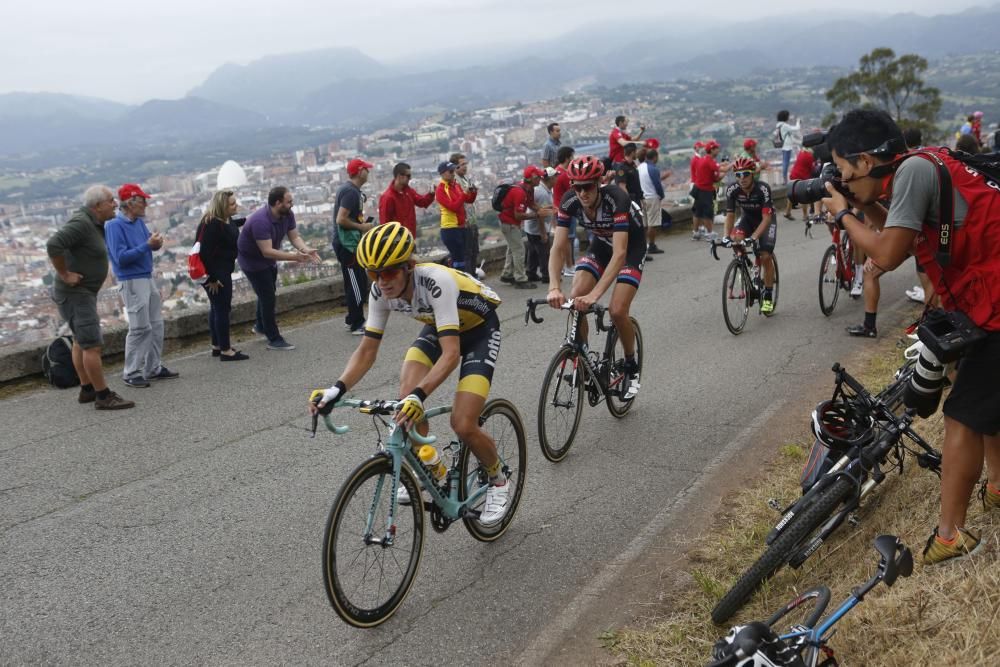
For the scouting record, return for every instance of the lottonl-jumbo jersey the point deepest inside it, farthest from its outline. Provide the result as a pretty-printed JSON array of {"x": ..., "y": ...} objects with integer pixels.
[
  {"x": 453, "y": 301},
  {"x": 754, "y": 204},
  {"x": 615, "y": 213}
]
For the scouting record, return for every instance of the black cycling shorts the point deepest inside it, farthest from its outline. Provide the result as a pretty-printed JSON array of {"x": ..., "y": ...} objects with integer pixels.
[
  {"x": 975, "y": 397},
  {"x": 479, "y": 348},
  {"x": 767, "y": 241},
  {"x": 704, "y": 203},
  {"x": 599, "y": 255}
]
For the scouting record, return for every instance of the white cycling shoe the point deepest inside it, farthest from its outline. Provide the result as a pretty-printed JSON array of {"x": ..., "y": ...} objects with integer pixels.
[{"x": 496, "y": 505}]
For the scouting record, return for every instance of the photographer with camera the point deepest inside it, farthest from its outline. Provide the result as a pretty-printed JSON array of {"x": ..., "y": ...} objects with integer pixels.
[{"x": 947, "y": 213}]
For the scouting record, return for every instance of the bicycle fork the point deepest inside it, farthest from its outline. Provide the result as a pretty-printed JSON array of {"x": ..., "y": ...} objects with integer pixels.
[{"x": 390, "y": 532}]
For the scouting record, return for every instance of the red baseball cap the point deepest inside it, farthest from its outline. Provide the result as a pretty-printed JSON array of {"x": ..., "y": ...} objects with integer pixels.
[
  {"x": 531, "y": 171},
  {"x": 356, "y": 165},
  {"x": 699, "y": 144},
  {"x": 712, "y": 145},
  {"x": 652, "y": 143},
  {"x": 130, "y": 190}
]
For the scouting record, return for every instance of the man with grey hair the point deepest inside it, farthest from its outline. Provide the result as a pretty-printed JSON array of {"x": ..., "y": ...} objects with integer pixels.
[
  {"x": 81, "y": 262},
  {"x": 471, "y": 227},
  {"x": 130, "y": 247}
]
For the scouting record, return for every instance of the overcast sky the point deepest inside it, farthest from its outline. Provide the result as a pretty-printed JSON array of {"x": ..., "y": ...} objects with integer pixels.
[{"x": 132, "y": 51}]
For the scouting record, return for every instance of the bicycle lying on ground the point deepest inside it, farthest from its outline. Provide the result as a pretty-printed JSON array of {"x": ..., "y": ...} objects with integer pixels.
[
  {"x": 803, "y": 644},
  {"x": 856, "y": 434},
  {"x": 575, "y": 369},
  {"x": 742, "y": 284},
  {"x": 371, "y": 550},
  {"x": 836, "y": 270}
]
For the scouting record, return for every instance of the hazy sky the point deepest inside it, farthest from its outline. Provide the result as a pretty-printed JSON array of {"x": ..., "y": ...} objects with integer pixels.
[{"x": 131, "y": 51}]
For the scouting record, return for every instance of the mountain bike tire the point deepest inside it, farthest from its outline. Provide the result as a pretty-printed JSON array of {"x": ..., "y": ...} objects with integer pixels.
[
  {"x": 798, "y": 530},
  {"x": 559, "y": 398},
  {"x": 346, "y": 556},
  {"x": 503, "y": 422},
  {"x": 829, "y": 278},
  {"x": 736, "y": 280},
  {"x": 617, "y": 406}
]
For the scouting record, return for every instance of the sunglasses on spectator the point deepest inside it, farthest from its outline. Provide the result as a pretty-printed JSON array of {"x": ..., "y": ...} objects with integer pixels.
[
  {"x": 741, "y": 174},
  {"x": 584, "y": 187},
  {"x": 388, "y": 274}
]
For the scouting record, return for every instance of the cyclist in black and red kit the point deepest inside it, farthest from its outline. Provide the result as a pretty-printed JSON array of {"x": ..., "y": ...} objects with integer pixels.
[
  {"x": 756, "y": 221},
  {"x": 616, "y": 253}
]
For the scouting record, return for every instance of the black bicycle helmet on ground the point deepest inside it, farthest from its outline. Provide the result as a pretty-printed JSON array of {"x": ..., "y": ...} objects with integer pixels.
[{"x": 839, "y": 426}]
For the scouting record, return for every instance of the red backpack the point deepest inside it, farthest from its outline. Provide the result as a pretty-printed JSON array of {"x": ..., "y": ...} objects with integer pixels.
[{"x": 964, "y": 263}]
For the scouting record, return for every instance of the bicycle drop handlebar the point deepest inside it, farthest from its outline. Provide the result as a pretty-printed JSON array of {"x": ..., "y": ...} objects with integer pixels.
[
  {"x": 377, "y": 407},
  {"x": 597, "y": 309},
  {"x": 747, "y": 243}
]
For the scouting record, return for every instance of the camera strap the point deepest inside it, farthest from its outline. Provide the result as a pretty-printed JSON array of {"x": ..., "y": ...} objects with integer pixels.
[{"x": 946, "y": 209}]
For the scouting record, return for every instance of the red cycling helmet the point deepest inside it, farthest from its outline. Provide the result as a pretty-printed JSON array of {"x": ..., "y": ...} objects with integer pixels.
[
  {"x": 749, "y": 144},
  {"x": 744, "y": 164},
  {"x": 586, "y": 168},
  {"x": 711, "y": 146}
]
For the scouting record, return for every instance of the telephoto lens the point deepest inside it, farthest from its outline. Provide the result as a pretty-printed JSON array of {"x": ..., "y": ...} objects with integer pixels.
[{"x": 923, "y": 393}]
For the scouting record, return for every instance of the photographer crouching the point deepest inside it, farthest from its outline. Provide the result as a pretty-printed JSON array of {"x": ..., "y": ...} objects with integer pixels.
[{"x": 954, "y": 231}]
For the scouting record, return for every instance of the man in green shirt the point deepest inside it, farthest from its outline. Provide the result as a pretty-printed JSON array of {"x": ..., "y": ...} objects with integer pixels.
[{"x": 80, "y": 258}]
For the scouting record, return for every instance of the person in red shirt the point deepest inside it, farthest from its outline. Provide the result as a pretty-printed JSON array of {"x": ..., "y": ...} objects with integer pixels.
[
  {"x": 706, "y": 172},
  {"x": 399, "y": 201},
  {"x": 801, "y": 169},
  {"x": 619, "y": 137},
  {"x": 452, "y": 199},
  {"x": 518, "y": 205}
]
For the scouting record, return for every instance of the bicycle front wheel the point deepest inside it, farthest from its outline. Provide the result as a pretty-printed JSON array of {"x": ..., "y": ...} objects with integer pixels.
[
  {"x": 501, "y": 420},
  {"x": 795, "y": 534},
  {"x": 366, "y": 577},
  {"x": 777, "y": 282},
  {"x": 829, "y": 281},
  {"x": 560, "y": 405},
  {"x": 614, "y": 353},
  {"x": 736, "y": 294}
]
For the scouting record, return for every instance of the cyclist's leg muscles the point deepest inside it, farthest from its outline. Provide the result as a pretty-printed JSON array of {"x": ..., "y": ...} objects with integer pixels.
[
  {"x": 417, "y": 363},
  {"x": 480, "y": 350},
  {"x": 621, "y": 303},
  {"x": 589, "y": 270},
  {"x": 765, "y": 252}
]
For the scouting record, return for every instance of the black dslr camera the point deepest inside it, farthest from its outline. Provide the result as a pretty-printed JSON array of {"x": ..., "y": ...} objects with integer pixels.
[
  {"x": 807, "y": 191},
  {"x": 948, "y": 334}
]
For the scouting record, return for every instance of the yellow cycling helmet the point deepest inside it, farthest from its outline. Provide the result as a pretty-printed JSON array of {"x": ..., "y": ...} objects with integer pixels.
[{"x": 385, "y": 245}]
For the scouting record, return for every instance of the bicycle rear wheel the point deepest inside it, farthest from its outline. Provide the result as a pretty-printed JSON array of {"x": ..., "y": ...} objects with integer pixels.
[
  {"x": 560, "y": 405},
  {"x": 365, "y": 581},
  {"x": 829, "y": 281},
  {"x": 614, "y": 353},
  {"x": 503, "y": 423},
  {"x": 795, "y": 534},
  {"x": 737, "y": 292}
]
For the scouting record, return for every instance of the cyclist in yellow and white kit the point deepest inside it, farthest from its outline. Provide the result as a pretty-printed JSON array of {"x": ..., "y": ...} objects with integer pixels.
[{"x": 461, "y": 327}]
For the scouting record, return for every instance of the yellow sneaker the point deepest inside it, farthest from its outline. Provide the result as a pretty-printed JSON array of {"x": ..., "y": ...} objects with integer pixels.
[
  {"x": 964, "y": 544},
  {"x": 767, "y": 307},
  {"x": 990, "y": 496}
]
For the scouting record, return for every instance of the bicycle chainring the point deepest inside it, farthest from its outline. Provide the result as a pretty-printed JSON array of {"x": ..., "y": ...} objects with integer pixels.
[{"x": 439, "y": 521}]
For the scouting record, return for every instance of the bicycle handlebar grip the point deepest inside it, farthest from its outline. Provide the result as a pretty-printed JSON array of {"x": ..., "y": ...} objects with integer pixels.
[
  {"x": 413, "y": 435},
  {"x": 339, "y": 430},
  {"x": 715, "y": 253},
  {"x": 530, "y": 311}
]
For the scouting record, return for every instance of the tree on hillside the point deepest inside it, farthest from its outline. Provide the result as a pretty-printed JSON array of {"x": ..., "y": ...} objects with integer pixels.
[{"x": 883, "y": 81}]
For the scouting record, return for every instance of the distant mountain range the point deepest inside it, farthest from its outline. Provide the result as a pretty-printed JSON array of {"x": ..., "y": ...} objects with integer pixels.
[{"x": 346, "y": 88}]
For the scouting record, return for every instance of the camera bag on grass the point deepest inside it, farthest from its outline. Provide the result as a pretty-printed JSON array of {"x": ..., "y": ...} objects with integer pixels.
[{"x": 57, "y": 363}]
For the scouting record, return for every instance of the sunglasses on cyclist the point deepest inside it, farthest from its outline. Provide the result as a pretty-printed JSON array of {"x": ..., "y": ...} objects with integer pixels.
[
  {"x": 388, "y": 274},
  {"x": 741, "y": 174},
  {"x": 584, "y": 187}
]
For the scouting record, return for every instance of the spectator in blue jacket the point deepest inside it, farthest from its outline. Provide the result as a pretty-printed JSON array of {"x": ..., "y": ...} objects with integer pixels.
[{"x": 130, "y": 249}]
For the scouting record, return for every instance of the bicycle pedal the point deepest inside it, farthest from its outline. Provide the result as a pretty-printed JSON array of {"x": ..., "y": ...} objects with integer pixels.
[
  {"x": 775, "y": 505},
  {"x": 853, "y": 520}
]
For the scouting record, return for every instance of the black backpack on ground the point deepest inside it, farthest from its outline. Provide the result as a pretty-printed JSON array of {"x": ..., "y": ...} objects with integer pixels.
[
  {"x": 499, "y": 194},
  {"x": 57, "y": 363}
]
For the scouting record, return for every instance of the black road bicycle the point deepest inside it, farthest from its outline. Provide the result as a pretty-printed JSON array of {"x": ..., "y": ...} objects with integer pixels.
[
  {"x": 836, "y": 479},
  {"x": 743, "y": 284},
  {"x": 575, "y": 369}
]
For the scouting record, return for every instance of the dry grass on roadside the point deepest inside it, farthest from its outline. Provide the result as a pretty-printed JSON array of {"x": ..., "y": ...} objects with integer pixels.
[{"x": 943, "y": 616}]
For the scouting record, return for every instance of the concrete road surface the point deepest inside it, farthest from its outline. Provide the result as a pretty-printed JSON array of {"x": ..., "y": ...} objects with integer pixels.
[{"x": 188, "y": 530}]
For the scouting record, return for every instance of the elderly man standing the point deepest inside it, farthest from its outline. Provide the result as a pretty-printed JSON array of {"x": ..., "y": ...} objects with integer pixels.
[
  {"x": 130, "y": 248},
  {"x": 471, "y": 222},
  {"x": 518, "y": 206},
  {"x": 258, "y": 253},
  {"x": 78, "y": 254}
]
